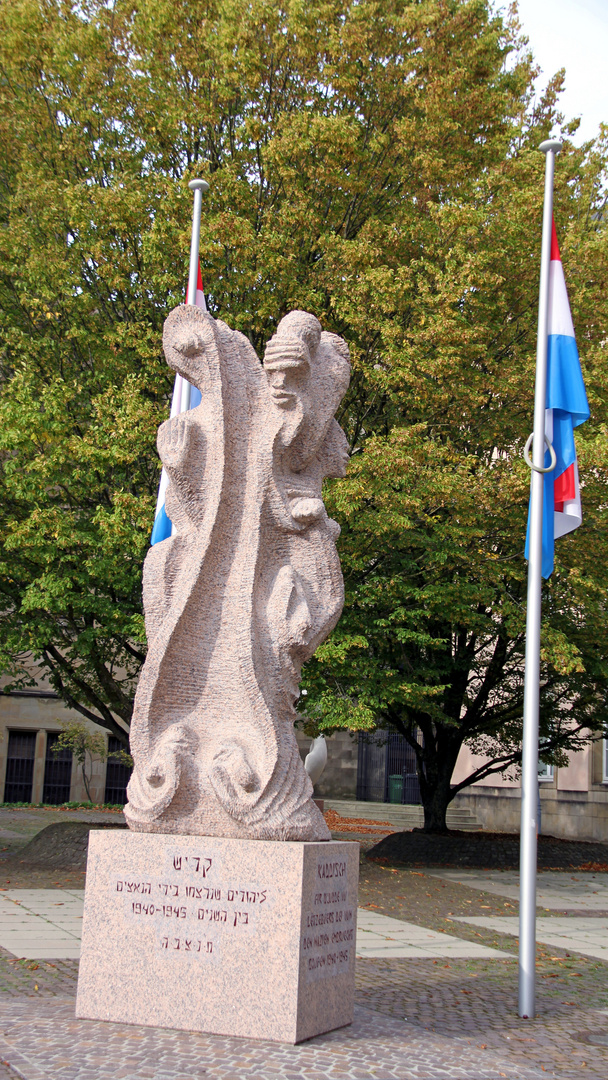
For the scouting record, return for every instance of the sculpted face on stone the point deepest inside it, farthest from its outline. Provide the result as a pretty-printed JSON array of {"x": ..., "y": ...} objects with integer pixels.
[{"x": 247, "y": 587}]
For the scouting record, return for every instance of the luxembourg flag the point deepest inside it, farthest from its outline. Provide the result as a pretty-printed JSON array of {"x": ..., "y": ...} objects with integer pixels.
[
  {"x": 566, "y": 408},
  {"x": 181, "y": 401}
]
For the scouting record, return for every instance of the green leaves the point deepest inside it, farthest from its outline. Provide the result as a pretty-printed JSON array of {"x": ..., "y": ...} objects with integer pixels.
[{"x": 374, "y": 163}]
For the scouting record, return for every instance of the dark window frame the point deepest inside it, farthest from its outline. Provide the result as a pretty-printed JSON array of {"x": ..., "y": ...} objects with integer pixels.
[{"x": 19, "y": 771}]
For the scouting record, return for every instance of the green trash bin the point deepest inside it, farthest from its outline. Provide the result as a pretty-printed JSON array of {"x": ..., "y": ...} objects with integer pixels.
[{"x": 395, "y": 788}]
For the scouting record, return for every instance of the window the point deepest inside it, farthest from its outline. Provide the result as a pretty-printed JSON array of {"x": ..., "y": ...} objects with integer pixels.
[
  {"x": 545, "y": 772},
  {"x": 57, "y": 772},
  {"x": 604, "y": 761},
  {"x": 20, "y": 766},
  {"x": 386, "y": 770},
  {"x": 117, "y": 775}
]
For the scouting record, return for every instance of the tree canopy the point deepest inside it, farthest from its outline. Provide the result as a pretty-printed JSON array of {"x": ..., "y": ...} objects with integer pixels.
[{"x": 375, "y": 163}]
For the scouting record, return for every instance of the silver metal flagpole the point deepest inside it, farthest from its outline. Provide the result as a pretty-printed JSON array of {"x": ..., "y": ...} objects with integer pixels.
[
  {"x": 198, "y": 187},
  {"x": 529, "y": 770}
]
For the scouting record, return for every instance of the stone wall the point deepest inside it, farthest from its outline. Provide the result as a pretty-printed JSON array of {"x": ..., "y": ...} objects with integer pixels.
[{"x": 571, "y": 815}]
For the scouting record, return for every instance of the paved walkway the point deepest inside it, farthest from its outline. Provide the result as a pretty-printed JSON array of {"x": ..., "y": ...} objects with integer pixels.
[
  {"x": 45, "y": 924},
  {"x": 46, "y": 1043},
  {"x": 41, "y": 924},
  {"x": 580, "y": 935},
  {"x": 381, "y": 937},
  {"x": 419, "y": 1016},
  {"x": 556, "y": 891}
]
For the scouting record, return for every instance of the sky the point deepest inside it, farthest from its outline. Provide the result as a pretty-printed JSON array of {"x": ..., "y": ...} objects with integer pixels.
[{"x": 572, "y": 34}]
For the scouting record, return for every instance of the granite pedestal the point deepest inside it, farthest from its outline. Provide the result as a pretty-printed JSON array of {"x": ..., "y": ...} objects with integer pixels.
[{"x": 247, "y": 938}]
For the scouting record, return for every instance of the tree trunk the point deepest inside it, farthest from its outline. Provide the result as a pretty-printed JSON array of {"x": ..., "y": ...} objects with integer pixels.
[
  {"x": 435, "y": 807},
  {"x": 436, "y": 759},
  {"x": 86, "y": 781}
]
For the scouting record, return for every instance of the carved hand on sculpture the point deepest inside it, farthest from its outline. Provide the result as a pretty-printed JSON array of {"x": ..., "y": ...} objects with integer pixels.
[
  {"x": 307, "y": 511},
  {"x": 182, "y": 448},
  {"x": 334, "y": 455},
  {"x": 173, "y": 441}
]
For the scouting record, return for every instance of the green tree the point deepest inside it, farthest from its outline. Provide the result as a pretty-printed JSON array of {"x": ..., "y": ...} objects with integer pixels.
[
  {"x": 85, "y": 746},
  {"x": 434, "y": 508},
  {"x": 374, "y": 163}
]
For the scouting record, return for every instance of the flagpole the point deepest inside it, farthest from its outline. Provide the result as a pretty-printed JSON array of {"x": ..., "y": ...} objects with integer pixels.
[
  {"x": 529, "y": 767},
  {"x": 198, "y": 187}
]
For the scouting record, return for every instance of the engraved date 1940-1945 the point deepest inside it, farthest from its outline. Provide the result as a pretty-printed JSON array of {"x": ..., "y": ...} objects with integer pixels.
[{"x": 179, "y": 911}]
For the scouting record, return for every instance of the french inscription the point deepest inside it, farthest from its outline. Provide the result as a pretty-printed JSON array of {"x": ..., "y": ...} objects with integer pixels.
[{"x": 328, "y": 940}]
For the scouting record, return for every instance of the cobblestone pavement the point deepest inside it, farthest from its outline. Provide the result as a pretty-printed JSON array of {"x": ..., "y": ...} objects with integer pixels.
[{"x": 41, "y": 1044}]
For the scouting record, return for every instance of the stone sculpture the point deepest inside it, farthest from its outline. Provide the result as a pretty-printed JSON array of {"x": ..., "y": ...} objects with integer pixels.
[{"x": 247, "y": 587}]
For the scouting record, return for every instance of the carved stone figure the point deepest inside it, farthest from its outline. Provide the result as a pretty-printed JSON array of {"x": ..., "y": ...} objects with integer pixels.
[{"x": 247, "y": 587}]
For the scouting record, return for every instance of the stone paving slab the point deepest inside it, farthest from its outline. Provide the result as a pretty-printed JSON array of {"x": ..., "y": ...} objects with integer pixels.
[
  {"x": 41, "y": 924},
  {"x": 576, "y": 934},
  {"x": 43, "y": 1041},
  {"x": 380, "y": 936},
  {"x": 556, "y": 890}
]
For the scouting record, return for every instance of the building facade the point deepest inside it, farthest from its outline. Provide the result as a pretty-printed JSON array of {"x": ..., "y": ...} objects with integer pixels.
[
  {"x": 30, "y": 724},
  {"x": 574, "y": 799}
]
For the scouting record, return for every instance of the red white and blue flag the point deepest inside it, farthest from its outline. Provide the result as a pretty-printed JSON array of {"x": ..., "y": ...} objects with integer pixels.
[
  {"x": 566, "y": 408},
  {"x": 181, "y": 401}
]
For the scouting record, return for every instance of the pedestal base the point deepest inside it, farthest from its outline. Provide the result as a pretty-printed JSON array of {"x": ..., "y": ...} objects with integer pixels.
[{"x": 251, "y": 938}]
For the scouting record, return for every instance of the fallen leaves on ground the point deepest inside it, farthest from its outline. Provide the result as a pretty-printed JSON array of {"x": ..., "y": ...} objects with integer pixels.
[{"x": 337, "y": 823}]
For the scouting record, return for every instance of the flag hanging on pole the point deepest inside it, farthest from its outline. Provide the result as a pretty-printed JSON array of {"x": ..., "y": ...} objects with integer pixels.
[
  {"x": 566, "y": 408},
  {"x": 162, "y": 524}
]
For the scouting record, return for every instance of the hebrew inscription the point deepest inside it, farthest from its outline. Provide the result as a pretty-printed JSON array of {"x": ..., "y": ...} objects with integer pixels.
[{"x": 193, "y": 906}]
